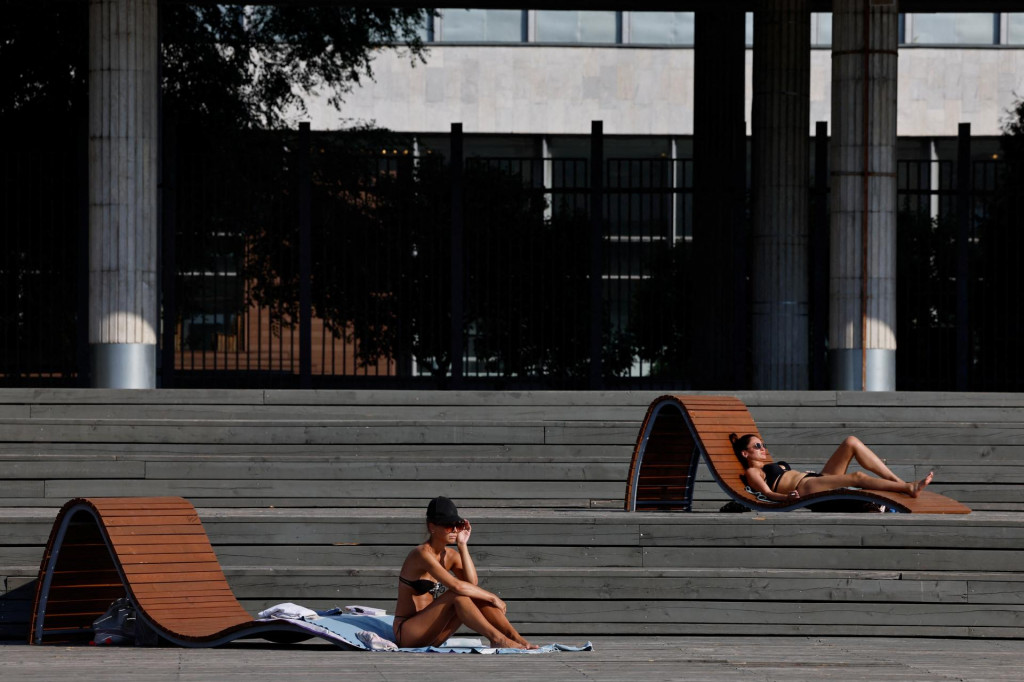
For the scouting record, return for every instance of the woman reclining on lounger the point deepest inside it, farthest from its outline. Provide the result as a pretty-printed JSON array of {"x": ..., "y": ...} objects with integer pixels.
[
  {"x": 776, "y": 481},
  {"x": 433, "y": 603}
]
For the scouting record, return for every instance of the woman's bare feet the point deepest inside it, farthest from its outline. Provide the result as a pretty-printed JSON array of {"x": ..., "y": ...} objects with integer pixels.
[
  {"x": 506, "y": 643},
  {"x": 917, "y": 486},
  {"x": 515, "y": 644}
]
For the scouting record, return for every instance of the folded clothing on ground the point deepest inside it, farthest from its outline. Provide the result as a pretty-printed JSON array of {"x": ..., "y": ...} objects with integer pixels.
[{"x": 290, "y": 611}]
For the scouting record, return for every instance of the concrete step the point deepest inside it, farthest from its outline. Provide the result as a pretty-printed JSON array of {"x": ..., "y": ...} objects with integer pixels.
[{"x": 615, "y": 572}]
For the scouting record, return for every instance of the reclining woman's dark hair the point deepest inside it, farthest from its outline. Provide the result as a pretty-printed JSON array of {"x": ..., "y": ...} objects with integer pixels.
[{"x": 739, "y": 444}]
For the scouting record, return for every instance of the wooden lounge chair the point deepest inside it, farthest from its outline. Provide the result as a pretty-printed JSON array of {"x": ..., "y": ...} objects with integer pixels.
[
  {"x": 680, "y": 430},
  {"x": 153, "y": 550}
]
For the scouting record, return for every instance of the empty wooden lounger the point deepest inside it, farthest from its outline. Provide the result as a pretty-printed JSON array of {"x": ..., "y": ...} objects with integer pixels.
[
  {"x": 680, "y": 430},
  {"x": 153, "y": 550}
]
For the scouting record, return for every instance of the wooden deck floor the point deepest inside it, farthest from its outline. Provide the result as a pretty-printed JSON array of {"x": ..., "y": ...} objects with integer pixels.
[{"x": 712, "y": 659}]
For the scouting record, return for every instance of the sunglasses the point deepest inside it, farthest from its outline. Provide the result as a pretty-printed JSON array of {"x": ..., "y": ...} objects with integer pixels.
[
  {"x": 457, "y": 526},
  {"x": 759, "y": 446}
]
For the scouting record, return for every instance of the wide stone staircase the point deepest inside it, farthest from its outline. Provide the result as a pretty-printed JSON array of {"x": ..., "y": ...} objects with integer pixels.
[{"x": 315, "y": 497}]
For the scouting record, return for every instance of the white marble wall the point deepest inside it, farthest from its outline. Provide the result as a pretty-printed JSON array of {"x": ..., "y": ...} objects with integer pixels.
[
  {"x": 526, "y": 90},
  {"x": 940, "y": 88},
  {"x": 647, "y": 91}
]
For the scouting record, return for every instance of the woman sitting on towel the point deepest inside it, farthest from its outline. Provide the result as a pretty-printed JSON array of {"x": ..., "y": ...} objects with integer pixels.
[
  {"x": 776, "y": 481},
  {"x": 438, "y": 590}
]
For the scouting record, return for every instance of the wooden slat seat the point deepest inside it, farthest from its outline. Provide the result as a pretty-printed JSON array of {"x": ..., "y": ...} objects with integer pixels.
[
  {"x": 153, "y": 550},
  {"x": 679, "y": 430}
]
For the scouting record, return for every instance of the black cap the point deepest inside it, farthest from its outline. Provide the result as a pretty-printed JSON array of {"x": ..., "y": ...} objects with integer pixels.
[{"x": 441, "y": 511}]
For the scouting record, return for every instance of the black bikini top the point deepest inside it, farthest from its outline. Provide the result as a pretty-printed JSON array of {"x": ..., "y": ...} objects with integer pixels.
[
  {"x": 773, "y": 472},
  {"x": 423, "y": 586}
]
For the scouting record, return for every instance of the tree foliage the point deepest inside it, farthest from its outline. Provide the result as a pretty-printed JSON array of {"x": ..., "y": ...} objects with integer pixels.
[
  {"x": 250, "y": 66},
  {"x": 43, "y": 61},
  {"x": 232, "y": 66}
]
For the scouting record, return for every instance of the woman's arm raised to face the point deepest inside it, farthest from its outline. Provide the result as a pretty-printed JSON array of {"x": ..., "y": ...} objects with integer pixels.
[{"x": 464, "y": 566}]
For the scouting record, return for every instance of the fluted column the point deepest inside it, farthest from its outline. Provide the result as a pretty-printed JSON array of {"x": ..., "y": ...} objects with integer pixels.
[
  {"x": 780, "y": 123},
  {"x": 862, "y": 316},
  {"x": 123, "y": 192}
]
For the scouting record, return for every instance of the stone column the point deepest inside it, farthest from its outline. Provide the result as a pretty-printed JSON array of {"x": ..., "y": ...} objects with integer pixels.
[
  {"x": 862, "y": 316},
  {"x": 718, "y": 276},
  {"x": 780, "y": 123},
  {"x": 123, "y": 192}
]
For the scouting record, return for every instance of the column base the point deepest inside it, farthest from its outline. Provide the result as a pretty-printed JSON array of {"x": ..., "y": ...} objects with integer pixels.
[
  {"x": 845, "y": 365},
  {"x": 123, "y": 365}
]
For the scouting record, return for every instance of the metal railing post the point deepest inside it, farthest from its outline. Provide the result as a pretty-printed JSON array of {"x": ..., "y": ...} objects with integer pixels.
[
  {"x": 457, "y": 255},
  {"x": 305, "y": 258},
  {"x": 596, "y": 243},
  {"x": 83, "y": 358},
  {"x": 963, "y": 242}
]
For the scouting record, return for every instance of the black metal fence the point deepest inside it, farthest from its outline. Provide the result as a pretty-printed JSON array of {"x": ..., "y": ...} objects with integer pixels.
[
  {"x": 43, "y": 260},
  {"x": 318, "y": 259},
  {"x": 400, "y": 245},
  {"x": 959, "y": 236}
]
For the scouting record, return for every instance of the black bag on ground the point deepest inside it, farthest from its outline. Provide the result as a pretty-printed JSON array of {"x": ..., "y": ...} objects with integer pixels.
[{"x": 119, "y": 625}]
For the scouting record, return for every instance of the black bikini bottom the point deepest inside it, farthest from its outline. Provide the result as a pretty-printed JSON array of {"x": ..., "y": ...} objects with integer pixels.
[
  {"x": 809, "y": 474},
  {"x": 399, "y": 621}
]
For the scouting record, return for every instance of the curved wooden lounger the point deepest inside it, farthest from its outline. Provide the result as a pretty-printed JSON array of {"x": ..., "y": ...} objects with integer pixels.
[
  {"x": 155, "y": 551},
  {"x": 679, "y": 430}
]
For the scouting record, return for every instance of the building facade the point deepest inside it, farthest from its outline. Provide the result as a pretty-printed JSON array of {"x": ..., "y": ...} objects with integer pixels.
[{"x": 549, "y": 73}]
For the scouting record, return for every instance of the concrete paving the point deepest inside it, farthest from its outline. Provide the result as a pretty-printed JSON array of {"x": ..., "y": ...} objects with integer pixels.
[{"x": 756, "y": 658}]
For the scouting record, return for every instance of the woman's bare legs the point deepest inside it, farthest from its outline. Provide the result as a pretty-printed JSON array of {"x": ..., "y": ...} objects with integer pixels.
[
  {"x": 442, "y": 618},
  {"x": 497, "y": 618},
  {"x": 858, "y": 479},
  {"x": 853, "y": 449}
]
